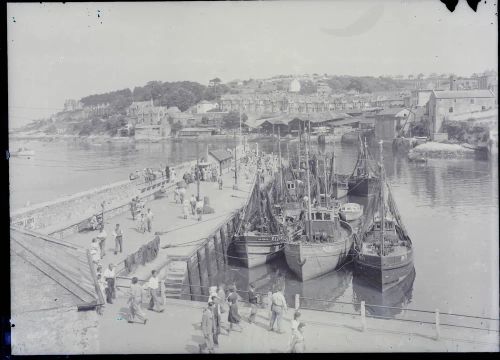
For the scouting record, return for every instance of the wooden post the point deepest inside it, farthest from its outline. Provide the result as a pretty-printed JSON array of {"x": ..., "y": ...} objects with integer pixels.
[
  {"x": 218, "y": 251},
  {"x": 438, "y": 330},
  {"x": 202, "y": 273},
  {"x": 208, "y": 261},
  {"x": 363, "y": 316},
  {"x": 223, "y": 243},
  {"x": 297, "y": 301}
]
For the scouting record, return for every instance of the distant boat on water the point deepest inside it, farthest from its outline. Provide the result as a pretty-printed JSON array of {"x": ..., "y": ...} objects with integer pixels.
[{"x": 23, "y": 152}]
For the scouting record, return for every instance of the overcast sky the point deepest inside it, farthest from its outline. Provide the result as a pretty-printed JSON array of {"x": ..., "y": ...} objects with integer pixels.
[{"x": 66, "y": 51}]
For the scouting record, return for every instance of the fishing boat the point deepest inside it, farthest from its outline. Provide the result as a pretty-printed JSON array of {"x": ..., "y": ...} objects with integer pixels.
[
  {"x": 384, "y": 248},
  {"x": 23, "y": 152},
  {"x": 258, "y": 238},
  {"x": 324, "y": 245},
  {"x": 318, "y": 242},
  {"x": 351, "y": 211},
  {"x": 363, "y": 177}
]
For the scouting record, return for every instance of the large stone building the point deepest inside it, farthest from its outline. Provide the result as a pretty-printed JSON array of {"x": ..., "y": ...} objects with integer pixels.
[{"x": 442, "y": 104}]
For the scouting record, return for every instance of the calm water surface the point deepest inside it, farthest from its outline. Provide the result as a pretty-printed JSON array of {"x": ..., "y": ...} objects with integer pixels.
[{"x": 450, "y": 209}]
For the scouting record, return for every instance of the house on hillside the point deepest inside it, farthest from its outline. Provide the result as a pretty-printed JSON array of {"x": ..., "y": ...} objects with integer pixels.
[
  {"x": 389, "y": 121},
  {"x": 442, "y": 104},
  {"x": 203, "y": 106},
  {"x": 59, "y": 314}
]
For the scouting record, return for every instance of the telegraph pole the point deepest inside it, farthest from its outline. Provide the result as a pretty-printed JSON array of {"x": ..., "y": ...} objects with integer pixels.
[
  {"x": 235, "y": 186},
  {"x": 197, "y": 168}
]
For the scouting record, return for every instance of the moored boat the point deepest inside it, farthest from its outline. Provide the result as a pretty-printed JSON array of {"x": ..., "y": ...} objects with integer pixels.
[
  {"x": 384, "y": 249},
  {"x": 350, "y": 211},
  {"x": 324, "y": 246},
  {"x": 23, "y": 152},
  {"x": 256, "y": 248}
]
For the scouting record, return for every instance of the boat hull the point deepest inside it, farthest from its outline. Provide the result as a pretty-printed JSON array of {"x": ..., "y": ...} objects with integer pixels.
[
  {"x": 254, "y": 251},
  {"x": 384, "y": 274},
  {"x": 361, "y": 186},
  {"x": 310, "y": 260},
  {"x": 350, "y": 216}
]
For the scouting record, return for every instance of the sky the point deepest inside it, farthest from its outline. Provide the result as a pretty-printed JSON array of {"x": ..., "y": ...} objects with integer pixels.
[{"x": 68, "y": 51}]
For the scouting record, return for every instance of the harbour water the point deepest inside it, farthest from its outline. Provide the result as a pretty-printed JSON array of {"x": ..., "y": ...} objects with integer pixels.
[{"x": 450, "y": 209}]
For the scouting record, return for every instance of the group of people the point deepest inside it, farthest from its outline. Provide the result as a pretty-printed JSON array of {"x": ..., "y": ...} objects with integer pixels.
[
  {"x": 221, "y": 302},
  {"x": 144, "y": 218},
  {"x": 98, "y": 244},
  {"x": 136, "y": 294}
]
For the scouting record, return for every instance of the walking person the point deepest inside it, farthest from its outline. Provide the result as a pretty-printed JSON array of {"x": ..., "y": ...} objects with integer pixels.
[
  {"x": 207, "y": 328},
  {"x": 149, "y": 220},
  {"x": 278, "y": 308},
  {"x": 182, "y": 194},
  {"x": 297, "y": 343},
  {"x": 155, "y": 290},
  {"x": 268, "y": 303},
  {"x": 110, "y": 278},
  {"x": 192, "y": 202},
  {"x": 135, "y": 302},
  {"x": 118, "y": 235},
  {"x": 101, "y": 237},
  {"x": 253, "y": 300}
]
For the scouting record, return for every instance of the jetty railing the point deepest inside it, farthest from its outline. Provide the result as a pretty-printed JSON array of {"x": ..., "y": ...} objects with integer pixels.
[{"x": 434, "y": 317}]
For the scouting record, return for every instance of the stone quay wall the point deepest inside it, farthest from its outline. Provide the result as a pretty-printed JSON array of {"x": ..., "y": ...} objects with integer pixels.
[{"x": 61, "y": 217}]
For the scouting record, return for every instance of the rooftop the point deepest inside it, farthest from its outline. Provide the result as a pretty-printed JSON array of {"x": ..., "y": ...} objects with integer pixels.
[
  {"x": 221, "y": 155},
  {"x": 461, "y": 94},
  {"x": 395, "y": 111}
]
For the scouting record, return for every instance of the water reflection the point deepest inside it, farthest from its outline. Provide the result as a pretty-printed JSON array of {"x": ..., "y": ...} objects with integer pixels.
[{"x": 395, "y": 298}]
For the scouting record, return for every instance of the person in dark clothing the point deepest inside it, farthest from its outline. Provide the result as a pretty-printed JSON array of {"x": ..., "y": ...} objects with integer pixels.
[
  {"x": 233, "y": 316},
  {"x": 253, "y": 300}
]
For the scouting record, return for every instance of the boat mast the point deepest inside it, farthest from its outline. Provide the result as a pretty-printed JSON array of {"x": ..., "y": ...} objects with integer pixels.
[
  {"x": 382, "y": 200},
  {"x": 308, "y": 183},
  {"x": 300, "y": 140},
  {"x": 279, "y": 155},
  {"x": 326, "y": 182}
]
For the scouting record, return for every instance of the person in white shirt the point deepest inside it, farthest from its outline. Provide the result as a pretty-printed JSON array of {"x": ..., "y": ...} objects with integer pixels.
[
  {"x": 199, "y": 208},
  {"x": 118, "y": 235},
  {"x": 110, "y": 277},
  {"x": 278, "y": 307},
  {"x": 154, "y": 285}
]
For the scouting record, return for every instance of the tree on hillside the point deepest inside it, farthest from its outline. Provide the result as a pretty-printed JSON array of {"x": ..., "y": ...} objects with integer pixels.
[{"x": 232, "y": 120}]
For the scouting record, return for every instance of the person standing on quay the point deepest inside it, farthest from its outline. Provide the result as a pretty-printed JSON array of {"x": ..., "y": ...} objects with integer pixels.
[
  {"x": 193, "y": 204},
  {"x": 199, "y": 208},
  {"x": 185, "y": 209},
  {"x": 101, "y": 237},
  {"x": 278, "y": 307},
  {"x": 233, "y": 316},
  {"x": 220, "y": 182},
  {"x": 110, "y": 278},
  {"x": 216, "y": 315},
  {"x": 133, "y": 207},
  {"x": 207, "y": 327},
  {"x": 135, "y": 301},
  {"x": 118, "y": 235},
  {"x": 154, "y": 285},
  {"x": 149, "y": 219},
  {"x": 253, "y": 300}
]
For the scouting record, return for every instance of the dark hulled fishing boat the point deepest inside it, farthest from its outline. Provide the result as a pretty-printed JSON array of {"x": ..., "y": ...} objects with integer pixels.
[
  {"x": 384, "y": 249},
  {"x": 363, "y": 178}
]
